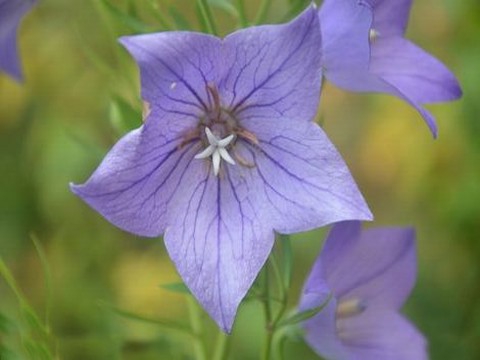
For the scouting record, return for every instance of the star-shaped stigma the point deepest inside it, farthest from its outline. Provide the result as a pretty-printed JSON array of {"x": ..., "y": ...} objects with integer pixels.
[{"x": 216, "y": 150}]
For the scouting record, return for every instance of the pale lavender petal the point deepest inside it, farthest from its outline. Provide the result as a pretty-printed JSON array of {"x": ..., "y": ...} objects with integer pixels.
[
  {"x": 321, "y": 332},
  {"x": 176, "y": 68},
  {"x": 382, "y": 335},
  {"x": 219, "y": 238},
  {"x": 300, "y": 176},
  {"x": 11, "y": 13},
  {"x": 274, "y": 71},
  {"x": 390, "y": 16},
  {"x": 377, "y": 266},
  {"x": 134, "y": 185},
  {"x": 345, "y": 26},
  {"x": 415, "y": 73}
]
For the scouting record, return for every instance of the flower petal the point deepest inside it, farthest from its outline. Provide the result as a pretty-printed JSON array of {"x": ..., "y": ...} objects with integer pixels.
[
  {"x": 415, "y": 73},
  {"x": 384, "y": 335},
  {"x": 11, "y": 13},
  {"x": 300, "y": 177},
  {"x": 345, "y": 26},
  {"x": 377, "y": 266},
  {"x": 134, "y": 185},
  {"x": 176, "y": 68},
  {"x": 321, "y": 332},
  {"x": 390, "y": 16},
  {"x": 219, "y": 239},
  {"x": 274, "y": 70}
]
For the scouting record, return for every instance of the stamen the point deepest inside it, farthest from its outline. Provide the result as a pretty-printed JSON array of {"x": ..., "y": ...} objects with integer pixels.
[
  {"x": 216, "y": 150},
  {"x": 146, "y": 110},
  {"x": 212, "y": 89},
  {"x": 373, "y": 35},
  {"x": 350, "y": 307}
]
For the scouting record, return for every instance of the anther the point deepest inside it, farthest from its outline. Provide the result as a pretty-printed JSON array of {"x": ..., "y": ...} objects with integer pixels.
[
  {"x": 350, "y": 307},
  {"x": 212, "y": 89},
  {"x": 373, "y": 35}
]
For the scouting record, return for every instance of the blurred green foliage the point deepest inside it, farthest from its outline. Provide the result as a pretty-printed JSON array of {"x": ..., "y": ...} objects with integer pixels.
[{"x": 82, "y": 93}]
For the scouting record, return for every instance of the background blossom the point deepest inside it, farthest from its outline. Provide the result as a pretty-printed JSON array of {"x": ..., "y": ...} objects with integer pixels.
[
  {"x": 369, "y": 53},
  {"x": 369, "y": 275},
  {"x": 11, "y": 14}
]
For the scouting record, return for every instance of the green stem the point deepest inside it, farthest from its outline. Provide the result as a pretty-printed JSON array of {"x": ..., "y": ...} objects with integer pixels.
[
  {"x": 262, "y": 12},
  {"x": 221, "y": 347},
  {"x": 242, "y": 14},
  {"x": 283, "y": 284},
  {"x": 268, "y": 316},
  {"x": 196, "y": 324},
  {"x": 207, "y": 16}
]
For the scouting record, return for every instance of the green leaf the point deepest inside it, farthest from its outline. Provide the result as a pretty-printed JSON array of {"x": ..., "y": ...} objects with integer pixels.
[
  {"x": 32, "y": 319},
  {"x": 155, "y": 10},
  {"x": 132, "y": 22},
  {"x": 47, "y": 276},
  {"x": 37, "y": 350},
  {"x": 5, "y": 325},
  {"x": 226, "y": 6},
  {"x": 304, "y": 315},
  {"x": 9, "y": 279},
  {"x": 123, "y": 116},
  {"x": 287, "y": 258},
  {"x": 179, "y": 287},
  {"x": 180, "y": 21},
  {"x": 167, "y": 324},
  {"x": 7, "y": 354}
]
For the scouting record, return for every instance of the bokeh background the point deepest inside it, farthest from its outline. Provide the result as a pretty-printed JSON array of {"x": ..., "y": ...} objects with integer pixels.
[{"x": 73, "y": 270}]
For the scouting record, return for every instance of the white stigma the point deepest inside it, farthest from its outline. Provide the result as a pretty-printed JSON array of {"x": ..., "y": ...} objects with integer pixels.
[{"x": 216, "y": 150}]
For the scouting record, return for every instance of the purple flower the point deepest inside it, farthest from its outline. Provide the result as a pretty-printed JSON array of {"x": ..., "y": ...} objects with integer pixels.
[
  {"x": 11, "y": 13},
  {"x": 369, "y": 275},
  {"x": 364, "y": 50},
  {"x": 228, "y": 153}
]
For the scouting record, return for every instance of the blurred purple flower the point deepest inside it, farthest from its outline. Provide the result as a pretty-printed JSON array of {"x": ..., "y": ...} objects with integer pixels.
[
  {"x": 11, "y": 13},
  {"x": 228, "y": 154},
  {"x": 364, "y": 50},
  {"x": 369, "y": 274}
]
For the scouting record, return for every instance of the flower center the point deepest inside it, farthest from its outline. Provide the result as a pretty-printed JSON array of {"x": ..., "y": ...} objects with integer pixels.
[
  {"x": 350, "y": 307},
  {"x": 217, "y": 150},
  {"x": 219, "y": 130},
  {"x": 346, "y": 309}
]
